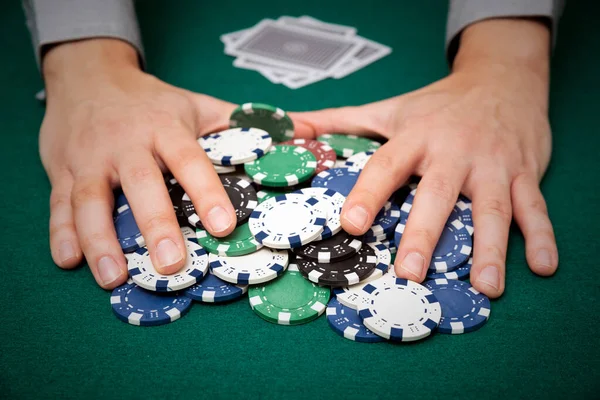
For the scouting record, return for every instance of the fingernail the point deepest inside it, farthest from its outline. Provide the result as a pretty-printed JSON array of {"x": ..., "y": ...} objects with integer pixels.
[
  {"x": 543, "y": 258},
  {"x": 357, "y": 216},
  {"x": 413, "y": 263},
  {"x": 218, "y": 219},
  {"x": 66, "y": 251},
  {"x": 108, "y": 270},
  {"x": 167, "y": 253},
  {"x": 489, "y": 276}
]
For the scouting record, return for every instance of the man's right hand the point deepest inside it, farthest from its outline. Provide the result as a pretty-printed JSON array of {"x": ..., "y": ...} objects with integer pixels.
[{"x": 109, "y": 124}]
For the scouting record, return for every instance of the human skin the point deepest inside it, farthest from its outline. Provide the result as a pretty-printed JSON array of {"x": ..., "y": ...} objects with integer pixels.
[
  {"x": 483, "y": 130},
  {"x": 109, "y": 124}
]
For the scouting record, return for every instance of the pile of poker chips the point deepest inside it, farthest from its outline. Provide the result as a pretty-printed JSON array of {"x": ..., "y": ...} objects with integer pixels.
[{"x": 289, "y": 252}]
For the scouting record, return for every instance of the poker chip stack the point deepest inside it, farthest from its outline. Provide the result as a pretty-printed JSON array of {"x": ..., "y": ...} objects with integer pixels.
[{"x": 289, "y": 251}]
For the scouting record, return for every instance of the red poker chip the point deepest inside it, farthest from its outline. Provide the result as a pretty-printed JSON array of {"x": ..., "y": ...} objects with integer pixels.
[{"x": 325, "y": 155}]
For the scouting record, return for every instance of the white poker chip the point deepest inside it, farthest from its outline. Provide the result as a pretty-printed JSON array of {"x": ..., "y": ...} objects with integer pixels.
[
  {"x": 144, "y": 274},
  {"x": 224, "y": 169},
  {"x": 358, "y": 160},
  {"x": 350, "y": 295},
  {"x": 287, "y": 221},
  {"x": 340, "y": 163},
  {"x": 399, "y": 310},
  {"x": 384, "y": 259},
  {"x": 259, "y": 267},
  {"x": 332, "y": 203},
  {"x": 236, "y": 146},
  {"x": 188, "y": 233}
]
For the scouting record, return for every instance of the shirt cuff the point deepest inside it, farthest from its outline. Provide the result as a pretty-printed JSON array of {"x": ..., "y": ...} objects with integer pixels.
[
  {"x": 56, "y": 21},
  {"x": 463, "y": 13}
]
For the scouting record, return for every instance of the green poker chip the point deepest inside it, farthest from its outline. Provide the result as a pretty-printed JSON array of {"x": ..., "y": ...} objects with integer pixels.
[
  {"x": 238, "y": 243},
  {"x": 263, "y": 116},
  {"x": 290, "y": 299},
  {"x": 347, "y": 145},
  {"x": 282, "y": 166}
]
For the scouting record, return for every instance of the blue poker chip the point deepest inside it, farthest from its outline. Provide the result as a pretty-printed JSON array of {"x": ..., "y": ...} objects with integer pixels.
[
  {"x": 129, "y": 235},
  {"x": 408, "y": 201},
  {"x": 385, "y": 221},
  {"x": 390, "y": 244},
  {"x": 384, "y": 260},
  {"x": 141, "y": 307},
  {"x": 464, "y": 309},
  {"x": 346, "y": 323},
  {"x": 464, "y": 209},
  {"x": 460, "y": 273},
  {"x": 339, "y": 179},
  {"x": 214, "y": 290},
  {"x": 452, "y": 250}
]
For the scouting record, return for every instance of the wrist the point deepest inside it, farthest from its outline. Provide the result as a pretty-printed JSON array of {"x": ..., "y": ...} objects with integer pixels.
[
  {"x": 81, "y": 63},
  {"x": 506, "y": 43},
  {"x": 513, "y": 54}
]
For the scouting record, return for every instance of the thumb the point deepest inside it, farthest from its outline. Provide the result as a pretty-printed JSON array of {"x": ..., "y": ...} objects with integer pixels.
[
  {"x": 212, "y": 114},
  {"x": 361, "y": 121}
]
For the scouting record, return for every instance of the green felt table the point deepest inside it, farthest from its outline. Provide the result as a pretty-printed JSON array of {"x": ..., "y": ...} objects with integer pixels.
[{"x": 59, "y": 338}]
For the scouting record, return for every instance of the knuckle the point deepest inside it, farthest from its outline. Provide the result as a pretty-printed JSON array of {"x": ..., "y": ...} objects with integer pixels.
[
  {"x": 140, "y": 173},
  {"x": 498, "y": 208},
  {"x": 538, "y": 205},
  {"x": 541, "y": 234},
  {"x": 185, "y": 158},
  {"x": 440, "y": 188},
  {"x": 159, "y": 221},
  {"x": 59, "y": 199},
  {"x": 365, "y": 197},
  {"x": 57, "y": 227},
  {"x": 423, "y": 238},
  {"x": 494, "y": 252},
  {"x": 94, "y": 240},
  {"x": 84, "y": 193},
  {"x": 383, "y": 162}
]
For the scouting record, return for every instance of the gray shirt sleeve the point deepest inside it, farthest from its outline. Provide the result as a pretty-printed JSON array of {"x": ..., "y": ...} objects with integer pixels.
[
  {"x": 463, "y": 13},
  {"x": 55, "y": 21}
]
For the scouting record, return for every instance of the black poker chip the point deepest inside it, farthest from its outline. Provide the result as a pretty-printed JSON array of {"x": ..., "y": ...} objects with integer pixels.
[
  {"x": 336, "y": 248},
  {"x": 342, "y": 273},
  {"x": 241, "y": 193},
  {"x": 176, "y": 192},
  {"x": 242, "y": 196}
]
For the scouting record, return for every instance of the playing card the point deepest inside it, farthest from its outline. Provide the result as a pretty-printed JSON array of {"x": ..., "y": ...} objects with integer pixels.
[
  {"x": 232, "y": 37},
  {"x": 369, "y": 53},
  {"x": 294, "y": 47},
  {"x": 311, "y": 23},
  {"x": 299, "y": 51},
  {"x": 251, "y": 63},
  {"x": 296, "y": 82}
]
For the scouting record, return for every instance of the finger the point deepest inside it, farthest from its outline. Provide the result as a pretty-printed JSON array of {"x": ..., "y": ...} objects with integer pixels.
[
  {"x": 386, "y": 171},
  {"x": 92, "y": 201},
  {"x": 194, "y": 171},
  {"x": 64, "y": 245},
  {"x": 532, "y": 216},
  {"x": 144, "y": 187},
  {"x": 212, "y": 114},
  {"x": 363, "y": 121},
  {"x": 436, "y": 195},
  {"x": 302, "y": 129},
  {"x": 492, "y": 214}
]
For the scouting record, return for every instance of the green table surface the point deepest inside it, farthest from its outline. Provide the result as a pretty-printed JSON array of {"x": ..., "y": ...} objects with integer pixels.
[{"x": 59, "y": 338}]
